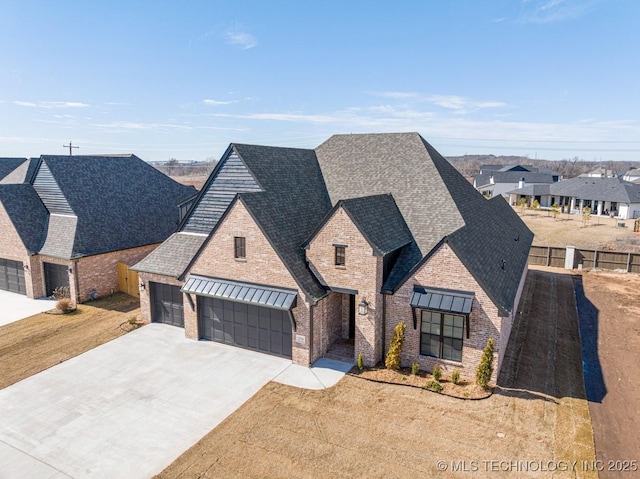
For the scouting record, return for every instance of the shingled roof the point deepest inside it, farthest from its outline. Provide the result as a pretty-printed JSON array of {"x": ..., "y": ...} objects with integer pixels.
[
  {"x": 7, "y": 165},
  {"x": 27, "y": 213},
  {"x": 23, "y": 173},
  {"x": 97, "y": 204},
  {"x": 604, "y": 189}
]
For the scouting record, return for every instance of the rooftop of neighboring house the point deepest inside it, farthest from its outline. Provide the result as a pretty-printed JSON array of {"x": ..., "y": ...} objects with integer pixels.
[
  {"x": 7, "y": 165},
  {"x": 492, "y": 174},
  {"x": 75, "y": 206},
  {"x": 400, "y": 177},
  {"x": 593, "y": 188}
]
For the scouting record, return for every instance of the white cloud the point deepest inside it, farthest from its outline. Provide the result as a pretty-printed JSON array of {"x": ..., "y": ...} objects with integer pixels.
[
  {"x": 133, "y": 125},
  {"x": 241, "y": 39},
  {"x": 400, "y": 95},
  {"x": 548, "y": 11},
  {"x": 208, "y": 101},
  {"x": 463, "y": 105},
  {"x": 51, "y": 104}
]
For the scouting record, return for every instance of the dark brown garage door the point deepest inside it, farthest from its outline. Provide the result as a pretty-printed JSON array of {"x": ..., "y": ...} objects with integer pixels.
[
  {"x": 12, "y": 276},
  {"x": 55, "y": 276},
  {"x": 166, "y": 304},
  {"x": 267, "y": 330}
]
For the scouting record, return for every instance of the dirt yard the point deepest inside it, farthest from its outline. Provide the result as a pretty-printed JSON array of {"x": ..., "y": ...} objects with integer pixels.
[
  {"x": 610, "y": 327},
  {"x": 36, "y": 343},
  {"x": 538, "y": 415},
  {"x": 601, "y": 232}
]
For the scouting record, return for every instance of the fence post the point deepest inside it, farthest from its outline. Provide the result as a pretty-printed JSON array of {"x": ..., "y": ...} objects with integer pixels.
[
  {"x": 569, "y": 258},
  {"x": 595, "y": 259},
  {"x": 549, "y": 256},
  {"x": 628, "y": 262}
]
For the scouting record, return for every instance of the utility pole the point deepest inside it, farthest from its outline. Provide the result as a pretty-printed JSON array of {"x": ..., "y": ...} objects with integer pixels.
[{"x": 71, "y": 147}]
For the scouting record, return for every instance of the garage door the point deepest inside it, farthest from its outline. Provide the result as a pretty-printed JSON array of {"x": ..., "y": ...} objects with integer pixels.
[
  {"x": 249, "y": 326},
  {"x": 55, "y": 276},
  {"x": 166, "y": 304},
  {"x": 12, "y": 276}
]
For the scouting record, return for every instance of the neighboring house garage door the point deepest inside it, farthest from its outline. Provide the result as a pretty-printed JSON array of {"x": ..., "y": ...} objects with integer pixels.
[
  {"x": 249, "y": 326},
  {"x": 55, "y": 276},
  {"x": 166, "y": 304},
  {"x": 12, "y": 276}
]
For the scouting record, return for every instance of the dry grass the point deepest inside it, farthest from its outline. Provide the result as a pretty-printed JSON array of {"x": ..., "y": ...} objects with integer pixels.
[
  {"x": 44, "y": 340},
  {"x": 601, "y": 232},
  {"x": 361, "y": 428}
]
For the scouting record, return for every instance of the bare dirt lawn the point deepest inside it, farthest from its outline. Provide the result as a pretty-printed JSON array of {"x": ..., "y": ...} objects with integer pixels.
[
  {"x": 601, "y": 233},
  {"x": 610, "y": 313},
  {"x": 36, "y": 343},
  {"x": 538, "y": 414}
]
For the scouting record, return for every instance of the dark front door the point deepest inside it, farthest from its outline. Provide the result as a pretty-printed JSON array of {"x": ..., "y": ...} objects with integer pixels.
[
  {"x": 12, "y": 276},
  {"x": 55, "y": 276},
  {"x": 352, "y": 316},
  {"x": 248, "y": 326},
  {"x": 166, "y": 304}
]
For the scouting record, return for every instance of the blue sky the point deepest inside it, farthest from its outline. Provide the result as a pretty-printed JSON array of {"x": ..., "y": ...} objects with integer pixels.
[{"x": 182, "y": 79}]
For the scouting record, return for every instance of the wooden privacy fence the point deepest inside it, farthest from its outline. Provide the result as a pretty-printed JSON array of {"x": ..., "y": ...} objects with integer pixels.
[
  {"x": 128, "y": 280},
  {"x": 585, "y": 258}
]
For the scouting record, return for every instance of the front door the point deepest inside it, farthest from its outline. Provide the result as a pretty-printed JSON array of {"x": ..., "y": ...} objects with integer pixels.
[{"x": 55, "y": 276}]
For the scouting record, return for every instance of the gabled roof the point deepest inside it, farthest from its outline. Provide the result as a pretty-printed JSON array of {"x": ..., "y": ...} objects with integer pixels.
[
  {"x": 378, "y": 219},
  {"x": 173, "y": 256},
  {"x": 532, "y": 190},
  {"x": 120, "y": 201},
  {"x": 27, "y": 213},
  {"x": 484, "y": 179},
  {"x": 7, "y": 165}
]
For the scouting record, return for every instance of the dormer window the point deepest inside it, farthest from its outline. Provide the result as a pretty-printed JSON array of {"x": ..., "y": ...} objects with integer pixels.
[
  {"x": 239, "y": 247},
  {"x": 340, "y": 255}
]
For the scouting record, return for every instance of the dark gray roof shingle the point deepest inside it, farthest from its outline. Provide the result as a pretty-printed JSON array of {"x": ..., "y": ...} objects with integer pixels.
[
  {"x": 7, "y": 165},
  {"x": 173, "y": 256},
  {"x": 27, "y": 213},
  {"x": 607, "y": 189},
  {"x": 120, "y": 201},
  {"x": 21, "y": 174}
]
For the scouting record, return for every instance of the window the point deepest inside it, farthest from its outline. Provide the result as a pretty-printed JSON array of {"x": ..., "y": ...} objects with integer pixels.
[
  {"x": 239, "y": 247},
  {"x": 441, "y": 335},
  {"x": 340, "y": 255}
]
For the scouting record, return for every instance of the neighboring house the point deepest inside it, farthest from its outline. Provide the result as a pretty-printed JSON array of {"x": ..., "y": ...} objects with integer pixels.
[
  {"x": 599, "y": 173},
  {"x": 68, "y": 221},
  {"x": 632, "y": 175},
  {"x": 497, "y": 180},
  {"x": 286, "y": 251},
  {"x": 605, "y": 196}
]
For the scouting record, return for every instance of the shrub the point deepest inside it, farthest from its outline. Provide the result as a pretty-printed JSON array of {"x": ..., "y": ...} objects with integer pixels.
[
  {"x": 65, "y": 305},
  {"x": 360, "y": 362},
  {"x": 393, "y": 356},
  {"x": 433, "y": 386},
  {"x": 455, "y": 376},
  {"x": 437, "y": 373},
  {"x": 133, "y": 322},
  {"x": 415, "y": 367},
  {"x": 485, "y": 368},
  {"x": 61, "y": 292}
]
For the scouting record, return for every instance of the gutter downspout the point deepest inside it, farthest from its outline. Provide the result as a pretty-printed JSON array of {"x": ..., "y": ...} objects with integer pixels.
[
  {"x": 311, "y": 308},
  {"x": 384, "y": 324}
]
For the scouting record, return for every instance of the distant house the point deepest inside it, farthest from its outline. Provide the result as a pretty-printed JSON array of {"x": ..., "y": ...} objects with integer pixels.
[
  {"x": 632, "y": 175},
  {"x": 497, "y": 180},
  {"x": 68, "y": 221},
  {"x": 608, "y": 196},
  {"x": 600, "y": 173},
  {"x": 288, "y": 251}
]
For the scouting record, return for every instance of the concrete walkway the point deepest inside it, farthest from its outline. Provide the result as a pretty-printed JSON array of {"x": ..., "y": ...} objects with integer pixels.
[
  {"x": 14, "y": 306},
  {"x": 131, "y": 406}
]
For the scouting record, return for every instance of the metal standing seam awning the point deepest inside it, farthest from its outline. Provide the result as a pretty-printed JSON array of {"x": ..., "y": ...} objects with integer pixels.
[
  {"x": 444, "y": 300},
  {"x": 267, "y": 296}
]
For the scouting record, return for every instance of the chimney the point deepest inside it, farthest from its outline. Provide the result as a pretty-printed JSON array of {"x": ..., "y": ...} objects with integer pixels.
[
  {"x": 491, "y": 180},
  {"x": 521, "y": 183}
]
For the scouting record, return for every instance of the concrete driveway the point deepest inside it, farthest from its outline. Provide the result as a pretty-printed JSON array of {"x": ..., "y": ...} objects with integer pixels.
[
  {"x": 129, "y": 407},
  {"x": 14, "y": 306}
]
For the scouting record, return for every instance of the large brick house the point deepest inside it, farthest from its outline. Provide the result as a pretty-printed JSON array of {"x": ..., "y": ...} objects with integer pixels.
[
  {"x": 287, "y": 251},
  {"x": 68, "y": 221}
]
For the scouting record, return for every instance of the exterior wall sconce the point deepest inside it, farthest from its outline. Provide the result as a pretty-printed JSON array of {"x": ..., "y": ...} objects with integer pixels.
[
  {"x": 142, "y": 286},
  {"x": 25, "y": 267},
  {"x": 363, "y": 307},
  {"x": 70, "y": 270}
]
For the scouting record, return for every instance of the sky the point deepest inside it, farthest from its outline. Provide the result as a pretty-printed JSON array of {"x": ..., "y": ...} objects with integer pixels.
[{"x": 547, "y": 79}]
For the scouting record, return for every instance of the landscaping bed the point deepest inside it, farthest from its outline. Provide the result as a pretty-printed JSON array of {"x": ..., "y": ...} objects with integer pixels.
[
  {"x": 43, "y": 340},
  {"x": 464, "y": 389}
]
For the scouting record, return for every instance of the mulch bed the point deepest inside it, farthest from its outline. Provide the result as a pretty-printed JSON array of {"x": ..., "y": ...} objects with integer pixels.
[{"x": 463, "y": 390}]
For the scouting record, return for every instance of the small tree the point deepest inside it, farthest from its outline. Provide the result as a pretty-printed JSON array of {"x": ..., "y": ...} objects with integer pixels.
[
  {"x": 360, "y": 362},
  {"x": 522, "y": 204},
  {"x": 535, "y": 206},
  {"x": 555, "y": 211},
  {"x": 485, "y": 368},
  {"x": 586, "y": 215},
  {"x": 437, "y": 373},
  {"x": 395, "y": 350}
]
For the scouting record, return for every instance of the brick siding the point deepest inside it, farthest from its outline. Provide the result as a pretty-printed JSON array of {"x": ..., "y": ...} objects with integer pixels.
[
  {"x": 11, "y": 247},
  {"x": 445, "y": 270}
]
